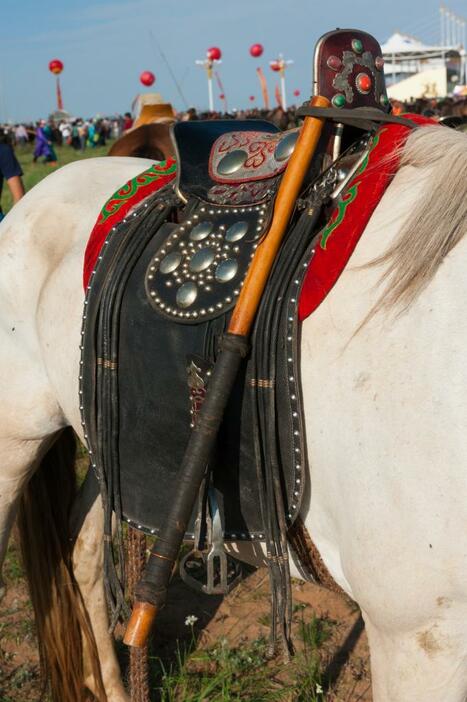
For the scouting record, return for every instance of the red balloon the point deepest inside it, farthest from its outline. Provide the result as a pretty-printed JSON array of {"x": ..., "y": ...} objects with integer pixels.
[
  {"x": 147, "y": 78},
  {"x": 222, "y": 96},
  {"x": 252, "y": 97},
  {"x": 296, "y": 92},
  {"x": 55, "y": 66},
  {"x": 275, "y": 65},
  {"x": 214, "y": 53},
  {"x": 256, "y": 50}
]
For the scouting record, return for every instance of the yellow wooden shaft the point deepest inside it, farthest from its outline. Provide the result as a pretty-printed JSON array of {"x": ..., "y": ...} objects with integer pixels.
[{"x": 250, "y": 296}]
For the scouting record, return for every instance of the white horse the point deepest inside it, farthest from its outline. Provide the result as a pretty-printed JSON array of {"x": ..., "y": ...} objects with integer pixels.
[{"x": 385, "y": 392}]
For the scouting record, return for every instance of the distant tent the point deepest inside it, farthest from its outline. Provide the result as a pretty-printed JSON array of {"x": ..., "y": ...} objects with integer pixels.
[
  {"x": 407, "y": 56},
  {"x": 60, "y": 115},
  {"x": 403, "y": 47}
]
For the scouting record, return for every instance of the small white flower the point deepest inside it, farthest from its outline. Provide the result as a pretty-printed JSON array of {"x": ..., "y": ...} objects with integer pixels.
[
  {"x": 190, "y": 620},
  {"x": 319, "y": 689}
]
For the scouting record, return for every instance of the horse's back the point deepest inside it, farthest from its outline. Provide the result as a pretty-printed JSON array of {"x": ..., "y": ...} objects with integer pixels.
[{"x": 42, "y": 242}]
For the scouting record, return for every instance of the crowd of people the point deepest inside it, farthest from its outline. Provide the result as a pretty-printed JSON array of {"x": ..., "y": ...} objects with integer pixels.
[{"x": 81, "y": 134}]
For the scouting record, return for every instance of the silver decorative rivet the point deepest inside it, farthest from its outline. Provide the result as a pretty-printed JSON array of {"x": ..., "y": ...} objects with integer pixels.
[
  {"x": 236, "y": 231},
  {"x": 202, "y": 260},
  {"x": 286, "y": 146},
  {"x": 186, "y": 294},
  {"x": 226, "y": 270},
  {"x": 201, "y": 231},
  {"x": 232, "y": 162}
]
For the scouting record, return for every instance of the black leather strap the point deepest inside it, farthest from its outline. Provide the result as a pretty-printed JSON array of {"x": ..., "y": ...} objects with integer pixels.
[{"x": 365, "y": 118}]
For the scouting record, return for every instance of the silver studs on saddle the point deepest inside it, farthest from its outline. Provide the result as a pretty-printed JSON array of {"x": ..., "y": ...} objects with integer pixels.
[{"x": 199, "y": 270}]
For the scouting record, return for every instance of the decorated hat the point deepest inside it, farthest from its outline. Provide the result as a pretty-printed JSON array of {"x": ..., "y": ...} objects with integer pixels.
[{"x": 150, "y": 108}]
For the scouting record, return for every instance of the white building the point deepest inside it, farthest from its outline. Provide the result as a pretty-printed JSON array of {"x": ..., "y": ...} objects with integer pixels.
[{"x": 414, "y": 69}]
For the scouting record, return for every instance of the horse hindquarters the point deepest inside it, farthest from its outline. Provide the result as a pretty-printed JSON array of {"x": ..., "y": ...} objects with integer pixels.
[
  {"x": 61, "y": 621},
  {"x": 386, "y": 412}
]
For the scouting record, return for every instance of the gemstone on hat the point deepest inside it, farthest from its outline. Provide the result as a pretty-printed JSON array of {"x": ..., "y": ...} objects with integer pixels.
[
  {"x": 357, "y": 46},
  {"x": 338, "y": 100},
  {"x": 379, "y": 62},
  {"x": 363, "y": 83},
  {"x": 334, "y": 62}
]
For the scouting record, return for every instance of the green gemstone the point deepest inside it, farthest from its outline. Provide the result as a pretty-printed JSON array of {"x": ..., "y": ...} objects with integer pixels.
[
  {"x": 384, "y": 100},
  {"x": 357, "y": 46},
  {"x": 338, "y": 100}
]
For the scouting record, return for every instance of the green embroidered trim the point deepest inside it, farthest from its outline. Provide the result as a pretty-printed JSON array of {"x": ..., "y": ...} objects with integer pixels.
[
  {"x": 127, "y": 192},
  {"x": 374, "y": 143},
  {"x": 349, "y": 197}
]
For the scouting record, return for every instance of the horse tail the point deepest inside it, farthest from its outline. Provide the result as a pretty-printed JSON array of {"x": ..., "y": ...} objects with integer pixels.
[{"x": 63, "y": 627}]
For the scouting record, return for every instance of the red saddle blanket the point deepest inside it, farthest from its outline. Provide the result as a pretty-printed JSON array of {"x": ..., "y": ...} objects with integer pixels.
[{"x": 338, "y": 238}]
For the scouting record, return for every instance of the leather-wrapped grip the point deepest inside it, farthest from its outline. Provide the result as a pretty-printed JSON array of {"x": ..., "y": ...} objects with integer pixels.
[{"x": 152, "y": 587}]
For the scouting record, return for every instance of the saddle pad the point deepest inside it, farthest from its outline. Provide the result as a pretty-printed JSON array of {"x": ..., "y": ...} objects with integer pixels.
[{"x": 347, "y": 223}]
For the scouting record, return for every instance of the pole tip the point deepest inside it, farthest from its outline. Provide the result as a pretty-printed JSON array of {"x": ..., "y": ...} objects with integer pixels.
[{"x": 140, "y": 624}]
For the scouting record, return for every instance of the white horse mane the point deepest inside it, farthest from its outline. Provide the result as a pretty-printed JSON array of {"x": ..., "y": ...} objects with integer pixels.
[{"x": 437, "y": 223}]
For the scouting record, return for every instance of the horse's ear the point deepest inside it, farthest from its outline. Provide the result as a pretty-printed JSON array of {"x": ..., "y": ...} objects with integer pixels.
[{"x": 148, "y": 141}]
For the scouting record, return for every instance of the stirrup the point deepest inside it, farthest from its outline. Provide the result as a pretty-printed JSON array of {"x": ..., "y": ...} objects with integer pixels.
[{"x": 213, "y": 572}]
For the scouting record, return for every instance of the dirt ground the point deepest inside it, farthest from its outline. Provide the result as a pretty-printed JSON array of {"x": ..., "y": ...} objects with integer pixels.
[{"x": 236, "y": 621}]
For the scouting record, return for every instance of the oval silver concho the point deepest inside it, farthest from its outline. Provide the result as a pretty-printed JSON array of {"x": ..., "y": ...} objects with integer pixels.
[
  {"x": 186, "y": 294},
  {"x": 231, "y": 163},
  {"x": 226, "y": 270},
  {"x": 201, "y": 260},
  {"x": 201, "y": 231},
  {"x": 285, "y": 147},
  {"x": 170, "y": 262},
  {"x": 236, "y": 231}
]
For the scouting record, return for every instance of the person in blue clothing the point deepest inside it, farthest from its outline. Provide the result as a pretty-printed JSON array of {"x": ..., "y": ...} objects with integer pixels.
[{"x": 10, "y": 170}]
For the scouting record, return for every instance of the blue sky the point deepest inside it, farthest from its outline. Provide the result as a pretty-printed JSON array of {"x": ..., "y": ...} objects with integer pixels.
[{"x": 106, "y": 44}]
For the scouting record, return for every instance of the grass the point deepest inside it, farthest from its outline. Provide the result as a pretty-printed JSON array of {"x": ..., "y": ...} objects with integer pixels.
[
  {"x": 13, "y": 568},
  {"x": 223, "y": 673},
  {"x": 35, "y": 172}
]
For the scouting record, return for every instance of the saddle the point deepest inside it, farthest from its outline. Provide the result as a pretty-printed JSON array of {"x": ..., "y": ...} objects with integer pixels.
[{"x": 160, "y": 297}]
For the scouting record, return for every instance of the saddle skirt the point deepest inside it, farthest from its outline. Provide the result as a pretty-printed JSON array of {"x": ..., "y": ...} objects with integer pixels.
[{"x": 161, "y": 312}]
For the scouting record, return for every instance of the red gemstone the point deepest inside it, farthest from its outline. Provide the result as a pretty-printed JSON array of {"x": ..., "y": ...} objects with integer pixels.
[
  {"x": 363, "y": 83},
  {"x": 334, "y": 62}
]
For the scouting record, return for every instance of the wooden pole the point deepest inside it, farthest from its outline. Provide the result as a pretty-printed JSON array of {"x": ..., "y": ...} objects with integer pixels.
[{"x": 289, "y": 190}]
